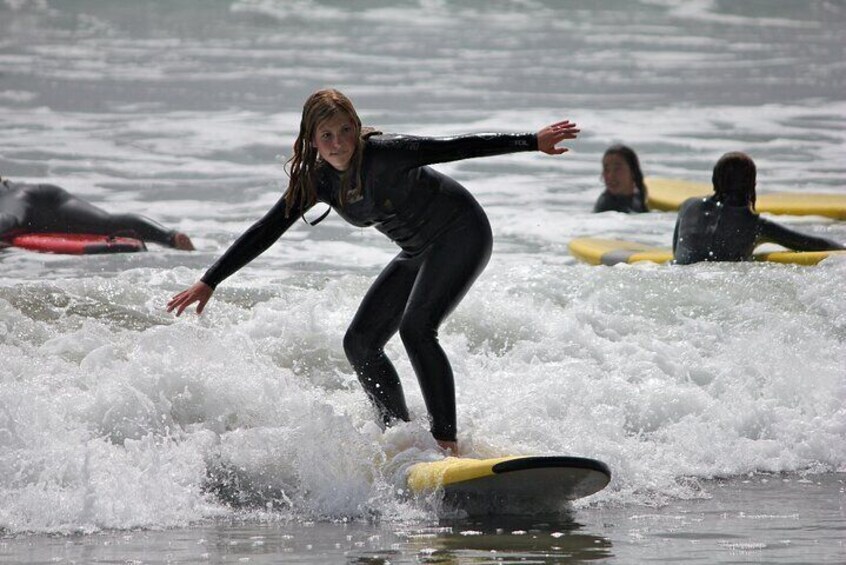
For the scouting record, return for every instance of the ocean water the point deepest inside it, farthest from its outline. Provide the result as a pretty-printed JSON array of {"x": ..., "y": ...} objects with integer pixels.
[{"x": 714, "y": 392}]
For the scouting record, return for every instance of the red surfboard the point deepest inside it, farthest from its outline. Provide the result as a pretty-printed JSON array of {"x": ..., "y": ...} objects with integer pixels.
[{"x": 76, "y": 243}]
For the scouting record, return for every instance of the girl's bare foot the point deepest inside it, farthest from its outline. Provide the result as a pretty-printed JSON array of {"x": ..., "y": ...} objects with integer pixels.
[{"x": 451, "y": 447}]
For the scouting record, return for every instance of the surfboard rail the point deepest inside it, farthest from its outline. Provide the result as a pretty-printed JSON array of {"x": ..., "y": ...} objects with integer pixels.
[
  {"x": 76, "y": 243},
  {"x": 599, "y": 251},
  {"x": 550, "y": 480}
]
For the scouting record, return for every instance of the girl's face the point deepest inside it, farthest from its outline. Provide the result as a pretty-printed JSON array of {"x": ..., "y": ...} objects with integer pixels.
[
  {"x": 335, "y": 141},
  {"x": 617, "y": 175}
]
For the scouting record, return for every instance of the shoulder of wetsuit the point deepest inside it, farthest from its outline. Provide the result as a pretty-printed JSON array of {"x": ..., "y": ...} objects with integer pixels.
[
  {"x": 387, "y": 140},
  {"x": 700, "y": 202},
  {"x": 605, "y": 202}
]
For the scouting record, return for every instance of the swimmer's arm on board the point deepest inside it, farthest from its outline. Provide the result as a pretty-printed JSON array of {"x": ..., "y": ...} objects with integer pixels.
[{"x": 776, "y": 233}]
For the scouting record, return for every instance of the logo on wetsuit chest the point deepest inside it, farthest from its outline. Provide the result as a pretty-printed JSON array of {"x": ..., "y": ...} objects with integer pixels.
[{"x": 353, "y": 195}]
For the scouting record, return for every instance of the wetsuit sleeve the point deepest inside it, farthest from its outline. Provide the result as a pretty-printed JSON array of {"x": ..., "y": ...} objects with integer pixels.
[
  {"x": 133, "y": 225},
  {"x": 252, "y": 243},
  {"x": 418, "y": 151},
  {"x": 772, "y": 232}
]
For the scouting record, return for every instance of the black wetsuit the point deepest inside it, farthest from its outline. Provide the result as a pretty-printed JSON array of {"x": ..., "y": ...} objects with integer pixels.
[
  {"x": 445, "y": 242},
  {"x": 608, "y": 202},
  {"x": 708, "y": 230},
  {"x": 43, "y": 208}
]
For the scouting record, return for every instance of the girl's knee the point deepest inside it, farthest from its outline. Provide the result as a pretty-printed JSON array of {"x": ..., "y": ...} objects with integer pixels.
[
  {"x": 358, "y": 346},
  {"x": 352, "y": 345},
  {"x": 416, "y": 329}
]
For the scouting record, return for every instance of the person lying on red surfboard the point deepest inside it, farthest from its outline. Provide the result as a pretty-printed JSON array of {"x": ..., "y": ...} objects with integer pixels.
[{"x": 46, "y": 208}]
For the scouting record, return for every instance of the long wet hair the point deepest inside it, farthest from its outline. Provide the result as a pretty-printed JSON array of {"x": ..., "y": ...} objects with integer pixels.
[
  {"x": 304, "y": 164},
  {"x": 630, "y": 157},
  {"x": 734, "y": 179}
]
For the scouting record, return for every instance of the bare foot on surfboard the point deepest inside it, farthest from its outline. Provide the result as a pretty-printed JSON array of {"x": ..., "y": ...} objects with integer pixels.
[{"x": 451, "y": 447}]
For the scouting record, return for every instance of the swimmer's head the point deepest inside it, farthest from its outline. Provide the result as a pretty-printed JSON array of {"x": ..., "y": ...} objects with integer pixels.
[
  {"x": 629, "y": 158},
  {"x": 734, "y": 179}
]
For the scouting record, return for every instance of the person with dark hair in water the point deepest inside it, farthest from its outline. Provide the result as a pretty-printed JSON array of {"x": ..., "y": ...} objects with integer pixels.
[
  {"x": 725, "y": 226},
  {"x": 46, "y": 208},
  {"x": 625, "y": 190},
  {"x": 443, "y": 234}
]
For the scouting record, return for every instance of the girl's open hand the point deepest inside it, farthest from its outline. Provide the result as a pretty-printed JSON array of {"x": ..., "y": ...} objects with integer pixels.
[
  {"x": 552, "y": 135},
  {"x": 198, "y": 292}
]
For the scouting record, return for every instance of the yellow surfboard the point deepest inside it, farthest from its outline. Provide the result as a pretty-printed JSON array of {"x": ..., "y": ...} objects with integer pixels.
[
  {"x": 597, "y": 251},
  {"x": 669, "y": 194},
  {"x": 495, "y": 485}
]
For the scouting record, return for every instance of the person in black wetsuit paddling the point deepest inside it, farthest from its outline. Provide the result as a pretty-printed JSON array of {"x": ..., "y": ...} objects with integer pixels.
[
  {"x": 725, "y": 226},
  {"x": 625, "y": 190},
  {"x": 45, "y": 208},
  {"x": 443, "y": 234}
]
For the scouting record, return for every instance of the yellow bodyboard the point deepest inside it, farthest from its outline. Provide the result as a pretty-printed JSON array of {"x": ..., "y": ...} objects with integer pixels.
[
  {"x": 669, "y": 194},
  {"x": 597, "y": 251}
]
